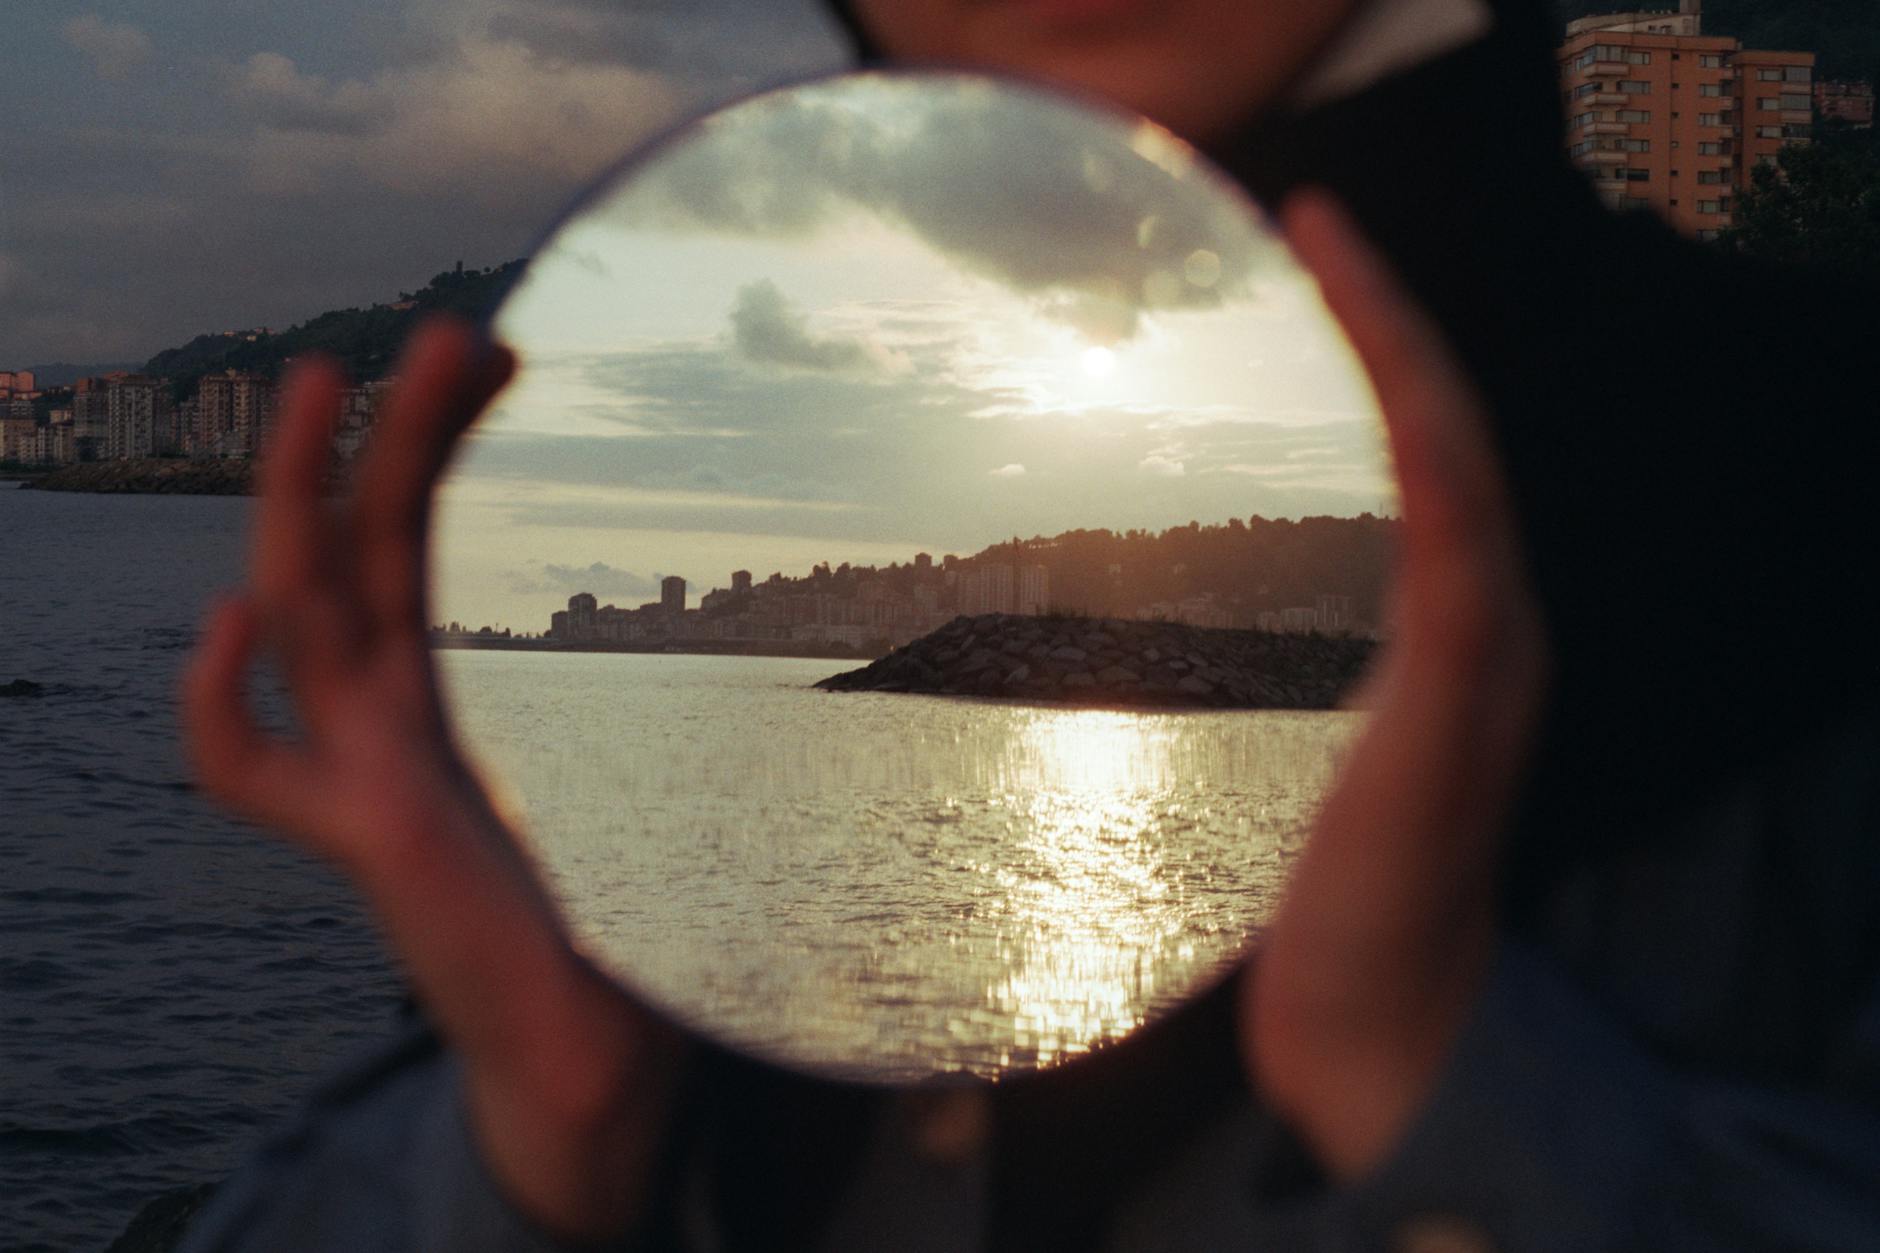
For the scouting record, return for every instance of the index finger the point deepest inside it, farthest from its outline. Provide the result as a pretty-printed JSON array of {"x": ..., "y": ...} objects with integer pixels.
[{"x": 449, "y": 373}]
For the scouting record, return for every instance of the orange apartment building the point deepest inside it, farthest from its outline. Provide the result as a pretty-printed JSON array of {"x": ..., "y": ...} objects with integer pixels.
[{"x": 1663, "y": 116}]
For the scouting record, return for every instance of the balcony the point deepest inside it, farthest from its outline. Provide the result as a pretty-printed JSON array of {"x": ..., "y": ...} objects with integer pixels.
[
  {"x": 1609, "y": 128},
  {"x": 1606, "y": 98},
  {"x": 1607, "y": 69}
]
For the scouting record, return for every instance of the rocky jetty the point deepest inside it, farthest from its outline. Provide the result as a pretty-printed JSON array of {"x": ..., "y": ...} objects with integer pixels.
[
  {"x": 1111, "y": 662},
  {"x": 164, "y": 476}
]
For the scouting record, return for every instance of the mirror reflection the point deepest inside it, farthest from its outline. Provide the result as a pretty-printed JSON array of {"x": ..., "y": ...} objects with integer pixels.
[{"x": 909, "y": 587}]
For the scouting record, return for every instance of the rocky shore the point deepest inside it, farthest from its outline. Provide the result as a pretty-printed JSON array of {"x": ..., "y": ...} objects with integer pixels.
[
  {"x": 1111, "y": 662},
  {"x": 164, "y": 476}
]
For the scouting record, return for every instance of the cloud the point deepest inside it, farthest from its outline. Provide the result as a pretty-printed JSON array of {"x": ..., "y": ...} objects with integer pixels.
[
  {"x": 280, "y": 96},
  {"x": 354, "y": 158},
  {"x": 1097, "y": 222},
  {"x": 113, "y": 48},
  {"x": 765, "y": 328},
  {"x": 488, "y": 123},
  {"x": 1010, "y": 471},
  {"x": 1162, "y": 465},
  {"x": 601, "y": 579}
]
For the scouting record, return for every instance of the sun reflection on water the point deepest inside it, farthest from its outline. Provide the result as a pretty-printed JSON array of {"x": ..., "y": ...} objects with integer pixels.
[{"x": 1088, "y": 908}]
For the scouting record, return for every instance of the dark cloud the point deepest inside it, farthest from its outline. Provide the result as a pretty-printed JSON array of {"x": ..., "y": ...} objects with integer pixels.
[
  {"x": 115, "y": 49},
  {"x": 765, "y": 328},
  {"x": 279, "y": 95},
  {"x": 328, "y": 156},
  {"x": 1100, "y": 223}
]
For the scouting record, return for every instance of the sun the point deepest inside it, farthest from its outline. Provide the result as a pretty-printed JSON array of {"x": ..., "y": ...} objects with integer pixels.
[{"x": 1098, "y": 362}]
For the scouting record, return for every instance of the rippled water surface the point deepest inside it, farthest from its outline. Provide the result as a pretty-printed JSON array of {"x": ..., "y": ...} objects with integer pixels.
[
  {"x": 878, "y": 885},
  {"x": 170, "y": 981},
  {"x": 882, "y": 885}
]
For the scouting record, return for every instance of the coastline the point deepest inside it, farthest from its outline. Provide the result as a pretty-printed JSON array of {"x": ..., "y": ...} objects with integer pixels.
[
  {"x": 677, "y": 648},
  {"x": 151, "y": 476}
]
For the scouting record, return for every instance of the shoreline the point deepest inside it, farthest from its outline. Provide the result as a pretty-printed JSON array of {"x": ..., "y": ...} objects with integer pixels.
[
  {"x": 675, "y": 648},
  {"x": 147, "y": 476}
]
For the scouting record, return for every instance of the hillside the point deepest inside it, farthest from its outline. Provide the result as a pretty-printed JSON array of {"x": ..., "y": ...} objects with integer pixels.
[
  {"x": 1845, "y": 34},
  {"x": 365, "y": 341}
]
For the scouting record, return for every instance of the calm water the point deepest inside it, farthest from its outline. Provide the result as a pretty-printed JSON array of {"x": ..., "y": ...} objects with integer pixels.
[{"x": 879, "y": 884}]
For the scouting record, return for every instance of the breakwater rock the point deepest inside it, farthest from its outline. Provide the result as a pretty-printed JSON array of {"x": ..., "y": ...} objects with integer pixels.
[
  {"x": 1103, "y": 661},
  {"x": 162, "y": 476}
]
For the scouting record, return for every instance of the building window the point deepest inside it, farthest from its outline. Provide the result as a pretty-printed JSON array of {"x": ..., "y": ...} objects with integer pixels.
[
  {"x": 1633, "y": 145},
  {"x": 1710, "y": 148},
  {"x": 1710, "y": 61},
  {"x": 1768, "y": 132},
  {"x": 1798, "y": 130},
  {"x": 1638, "y": 176},
  {"x": 1797, "y": 102},
  {"x": 1711, "y": 89},
  {"x": 1635, "y": 115},
  {"x": 1583, "y": 119},
  {"x": 1710, "y": 206},
  {"x": 1584, "y": 90},
  {"x": 1580, "y": 149},
  {"x": 1633, "y": 87},
  {"x": 1711, "y": 176},
  {"x": 1635, "y": 57},
  {"x": 1710, "y": 119},
  {"x": 1796, "y": 73},
  {"x": 1769, "y": 76}
]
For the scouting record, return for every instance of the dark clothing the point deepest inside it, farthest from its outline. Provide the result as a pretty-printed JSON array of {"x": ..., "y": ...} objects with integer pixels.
[{"x": 1680, "y": 1045}]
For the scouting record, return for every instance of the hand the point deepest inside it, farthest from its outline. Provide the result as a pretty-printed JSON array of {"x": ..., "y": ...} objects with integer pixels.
[
  {"x": 567, "y": 1077},
  {"x": 1379, "y": 951}
]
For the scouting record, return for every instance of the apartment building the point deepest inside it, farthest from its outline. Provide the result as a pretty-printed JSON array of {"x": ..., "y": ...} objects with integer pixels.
[{"x": 1664, "y": 117}]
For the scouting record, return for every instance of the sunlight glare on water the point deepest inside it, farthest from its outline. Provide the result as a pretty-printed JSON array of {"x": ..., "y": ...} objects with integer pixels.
[{"x": 883, "y": 886}]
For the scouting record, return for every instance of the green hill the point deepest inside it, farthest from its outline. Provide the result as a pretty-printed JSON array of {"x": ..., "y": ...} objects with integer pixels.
[{"x": 365, "y": 341}]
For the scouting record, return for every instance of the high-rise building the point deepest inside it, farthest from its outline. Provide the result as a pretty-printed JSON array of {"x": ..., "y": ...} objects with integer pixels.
[
  {"x": 986, "y": 588},
  {"x": 233, "y": 413},
  {"x": 1851, "y": 103},
  {"x": 672, "y": 594},
  {"x": 135, "y": 407},
  {"x": 1034, "y": 589},
  {"x": 91, "y": 419},
  {"x": 1665, "y": 117},
  {"x": 740, "y": 582}
]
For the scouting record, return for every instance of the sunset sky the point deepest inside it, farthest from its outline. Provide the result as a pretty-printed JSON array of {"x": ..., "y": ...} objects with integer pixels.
[{"x": 851, "y": 323}]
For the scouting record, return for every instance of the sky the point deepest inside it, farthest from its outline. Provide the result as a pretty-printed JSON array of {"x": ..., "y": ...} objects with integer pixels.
[
  {"x": 856, "y": 321},
  {"x": 169, "y": 169}
]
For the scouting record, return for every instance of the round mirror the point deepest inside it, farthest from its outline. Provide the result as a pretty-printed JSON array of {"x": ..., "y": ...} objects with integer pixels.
[{"x": 909, "y": 588}]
